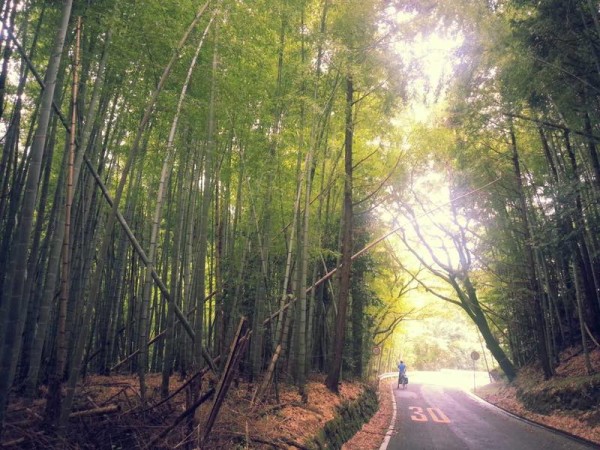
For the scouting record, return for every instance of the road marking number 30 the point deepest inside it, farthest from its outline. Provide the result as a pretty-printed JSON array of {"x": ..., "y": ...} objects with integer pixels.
[{"x": 436, "y": 414}]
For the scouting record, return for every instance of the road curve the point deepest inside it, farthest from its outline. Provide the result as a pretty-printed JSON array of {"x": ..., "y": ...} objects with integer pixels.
[{"x": 437, "y": 417}]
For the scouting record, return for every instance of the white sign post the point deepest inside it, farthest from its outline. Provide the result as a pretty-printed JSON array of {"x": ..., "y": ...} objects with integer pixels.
[{"x": 474, "y": 357}]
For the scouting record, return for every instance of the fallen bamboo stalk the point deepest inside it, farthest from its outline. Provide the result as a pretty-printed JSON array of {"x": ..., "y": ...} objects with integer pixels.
[
  {"x": 238, "y": 345},
  {"x": 204, "y": 397},
  {"x": 12, "y": 443},
  {"x": 200, "y": 373},
  {"x": 110, "y": 409}
]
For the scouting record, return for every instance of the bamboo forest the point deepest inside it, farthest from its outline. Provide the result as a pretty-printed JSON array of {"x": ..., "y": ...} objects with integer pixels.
[{"x": 217, "y": 204}]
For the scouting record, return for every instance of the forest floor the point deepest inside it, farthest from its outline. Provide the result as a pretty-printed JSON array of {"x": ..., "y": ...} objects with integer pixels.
[{"x": 282, "y": 422}]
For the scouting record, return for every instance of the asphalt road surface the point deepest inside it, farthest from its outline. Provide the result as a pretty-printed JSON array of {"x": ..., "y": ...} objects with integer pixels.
[{"x": 447, "y": 418}]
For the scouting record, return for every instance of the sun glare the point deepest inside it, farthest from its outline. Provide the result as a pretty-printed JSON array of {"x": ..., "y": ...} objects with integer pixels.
[{"x": 430, "y": 58}]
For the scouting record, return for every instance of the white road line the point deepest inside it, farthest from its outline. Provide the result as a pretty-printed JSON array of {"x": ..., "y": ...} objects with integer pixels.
[{"x": 390, "y": 431}]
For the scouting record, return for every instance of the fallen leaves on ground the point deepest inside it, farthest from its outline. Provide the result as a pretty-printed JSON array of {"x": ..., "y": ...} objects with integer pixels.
[
  {"x": 574, "y": 364},
  {"x": 288, "y": 419},
  {"x": 281, "y": 421},
  {"x": 372, "y": 433}
]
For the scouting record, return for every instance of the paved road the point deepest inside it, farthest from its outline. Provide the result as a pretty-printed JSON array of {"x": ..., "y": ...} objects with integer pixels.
[{"x": 438, "y": 417}]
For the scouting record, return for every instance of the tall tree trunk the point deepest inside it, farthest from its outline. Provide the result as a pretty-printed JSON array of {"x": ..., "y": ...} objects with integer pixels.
[
  {"x": 592, "y": 150},
  {"x": 36, "y": 263},
  {"x": 170, "y": 337},
  {"x": 578, "y": 294},
  {"x": 8, "y": 20},
  {"x": 334, "y": 374},
  {"x": 9, "y": 149},
  {"x": 581, "y": 252},
  {"x": 264, "y": 233},
  {"x": 473, "y": 308}
]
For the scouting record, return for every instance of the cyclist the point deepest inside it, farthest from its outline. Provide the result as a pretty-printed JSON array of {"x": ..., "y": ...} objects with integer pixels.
[{"x": 402, "y": 374}]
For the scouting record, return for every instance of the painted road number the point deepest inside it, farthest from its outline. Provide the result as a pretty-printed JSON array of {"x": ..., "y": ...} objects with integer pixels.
[{"x": 436, "y": 414}]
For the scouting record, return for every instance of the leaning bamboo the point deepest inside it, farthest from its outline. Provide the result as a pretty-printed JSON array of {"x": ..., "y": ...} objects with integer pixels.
[
  {"x": 237, "y": 346},
  {"x": 260, "y": 390},
  {"x": 204, "y": 397}
]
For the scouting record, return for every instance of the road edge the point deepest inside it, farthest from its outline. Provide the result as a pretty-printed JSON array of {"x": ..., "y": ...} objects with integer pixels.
[
  {"x": 572, "y": 436},
  {"x": 390, "y": 430}
]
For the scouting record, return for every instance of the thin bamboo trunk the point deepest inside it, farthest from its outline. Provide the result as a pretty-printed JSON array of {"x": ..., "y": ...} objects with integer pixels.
[
  {"x": 166, "y": 170},
  {"x": 580, "y": 315},
  {"x": 264, "y": 233},
  {"x": 54, "y": 385},
  {"x": 10, "y": 147},
  {"x": 57, "y": 242},
  {"x": 207, "y": 191},
  {"x": 8, "y": 20},
  {"x": 590, "y": 296},
  {"x": 30, "y": 296}
]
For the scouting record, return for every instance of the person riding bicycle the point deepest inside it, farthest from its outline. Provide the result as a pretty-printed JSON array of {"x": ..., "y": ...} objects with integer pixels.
[{"x": 402, "y": 374}]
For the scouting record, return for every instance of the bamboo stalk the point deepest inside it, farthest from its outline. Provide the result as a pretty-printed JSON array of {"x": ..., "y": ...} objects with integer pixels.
[
  {"x": 181, "y": 417},
  {"x": 110, "y": 409}
]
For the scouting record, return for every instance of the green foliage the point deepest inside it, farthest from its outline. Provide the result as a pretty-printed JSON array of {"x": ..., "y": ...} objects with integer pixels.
[{"x": 444, "y": 341}]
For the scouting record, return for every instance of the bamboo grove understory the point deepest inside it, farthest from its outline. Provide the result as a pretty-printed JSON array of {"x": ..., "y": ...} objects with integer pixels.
[{"x": 232, "y": 187}]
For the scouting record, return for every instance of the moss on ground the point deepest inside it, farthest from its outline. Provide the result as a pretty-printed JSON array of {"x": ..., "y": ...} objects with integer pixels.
[{"x": 349, "y": 419}]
